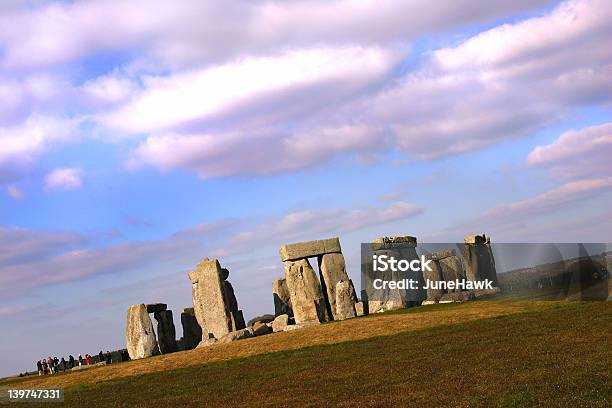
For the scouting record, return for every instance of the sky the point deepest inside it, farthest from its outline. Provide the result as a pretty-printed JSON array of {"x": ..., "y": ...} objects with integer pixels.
[{"x": 137, "y": 138}]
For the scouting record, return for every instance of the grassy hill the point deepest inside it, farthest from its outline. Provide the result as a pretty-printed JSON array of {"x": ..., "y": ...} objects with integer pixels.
[{"x": 483, "y": 353}]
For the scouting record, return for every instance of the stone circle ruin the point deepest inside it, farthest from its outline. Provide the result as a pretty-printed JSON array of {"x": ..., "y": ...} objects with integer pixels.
[{"x": 302, "y": 297}]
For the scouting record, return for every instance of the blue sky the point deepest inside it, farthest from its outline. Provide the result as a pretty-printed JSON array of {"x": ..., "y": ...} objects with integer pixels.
[{"x": 134, "y": 144}]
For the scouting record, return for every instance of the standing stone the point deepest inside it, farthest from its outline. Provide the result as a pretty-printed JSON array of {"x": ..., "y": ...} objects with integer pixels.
[
  {"x": 345, "y": 303},
  {"x": 478, "y": 259},
  {"x": 237, "y": 319},
  {"x": 282, "y": 300},
  {"x": 192, "y": 332},
  {"x": 360, "y": 309},
  {"x": 452, "y": 270},
  {"x": 305, "y": 292},
  {"x": 208, "y": 299},
  {"x": 433, "y": 277},
  {"x": 139, "y": 334},
  {"x": 166, "y": 333},
  {"x": 332, "y": 270}
]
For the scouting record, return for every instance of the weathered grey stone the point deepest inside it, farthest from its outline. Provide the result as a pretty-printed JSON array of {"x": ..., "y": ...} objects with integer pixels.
[
  {"x": 280, "y": 323},
  {"x": 300, "y": 250},
  {"x": 166, "y": 332},
  {"x": 433, "y": 277},
  {"x": 192, "y": 332},
  {"x": 139, "y": 334},
  {"x": 332, "y": 269},
  {"x": 282, "y": 300},
  {"x": 156, "y": 307},
  {"x": 345, "y": 303},
  {"x": 478, "y": 259},
  {"x": 240, "y": 320},
  {"x": 305, "y": 291},
  {"x": 237, "y": 320},
  {"x": 260, "y": 328},
  {"x": 208, "y": 299},
  {"x": 475, "y": 239},
  {"x": 237, "y": 335},
  {"x": 407, "y": 239},
  {"x": 266, "y": 318},
  {"x": 438, "y": 255},
  {"x": 360, "y": 309},
  {"x": 206, "y": 342},
  {"x": 452, "y": 270}
]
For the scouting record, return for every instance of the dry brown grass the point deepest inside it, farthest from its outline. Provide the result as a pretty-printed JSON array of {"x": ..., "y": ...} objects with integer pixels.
[{"x": 337, "y": 332}]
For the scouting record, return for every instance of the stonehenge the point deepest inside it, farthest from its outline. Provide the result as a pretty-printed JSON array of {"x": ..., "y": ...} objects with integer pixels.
[
  {"x": 139, "y": 334},
  {"x": 214, "y": 301},
  {"x": 400, "y": 247},
  {"x": 166, "y": 334},
  {"x": 192, "y": 332},
  {"x": 311, "y": 299},
  {"x": 478, "y": 259},
  {"x": 304, "y": 298},
  {"x": 305, "y": 291},
  {"x": 344, "y": 301},
  {"x": 282, "y": 300}
]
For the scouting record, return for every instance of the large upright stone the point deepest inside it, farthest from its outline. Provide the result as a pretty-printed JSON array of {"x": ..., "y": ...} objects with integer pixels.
[
  {"x": 192, "y": 332},
  {"x": 305, "y": 291},
  {"x": 208, "y": 299},
  {"x": 166, "y": 333},
  {"x": 345, "y": 303},
  {"x": 478, "y": 259},
  {"x": 139, "y": 334},
  {"x": 433, "y": 277},
  {"x": 452, "y": 270},
  {"x": 236, "y": 316},
  {"x": 332, "y": 269},
  {"x": 300, "y": 250},
  {"x": 282, "y": 300}
]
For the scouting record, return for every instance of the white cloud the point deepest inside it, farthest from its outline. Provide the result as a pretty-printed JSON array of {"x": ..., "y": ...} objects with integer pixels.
[
  {"x": 64, "y": 179},
  {"x": 173, "y": 33},
  {"x": 22, "y": 144},
  {"x": 489, "y": 88},
  {"x": 221, "y": 155},
  {"x": 550, "y": 201},
  {"x": 577, "y": 153},
  {"x": 243, "y": 87},
  {"x": 15, "y": 193}
]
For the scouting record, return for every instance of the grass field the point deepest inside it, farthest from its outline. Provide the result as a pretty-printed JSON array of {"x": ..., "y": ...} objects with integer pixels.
[{"x": 473, "y": 354}]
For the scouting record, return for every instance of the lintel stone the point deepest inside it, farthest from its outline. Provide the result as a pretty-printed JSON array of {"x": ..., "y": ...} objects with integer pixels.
[{"x": 301, "y": 250}]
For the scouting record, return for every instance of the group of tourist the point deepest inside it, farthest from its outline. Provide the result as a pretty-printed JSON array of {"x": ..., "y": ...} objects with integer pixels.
[{"x": 52, "y": 365}]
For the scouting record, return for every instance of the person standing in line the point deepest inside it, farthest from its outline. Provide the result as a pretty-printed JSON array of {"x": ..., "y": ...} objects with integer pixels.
[
  {"x": 100, "y": 357},
  {"x": 55, "y": 364},
  {"x": 50, "y": 364},
  {"x": 109, "y": 357},
  {"x": 87, "y": 359},
  {"x": 71, "y": 361},
  {"x": 63, "y": 364},
  {"x": 39, "y": 367},
  {"x": 45, "y": 367},
  {"x": 80, "y": 360}
]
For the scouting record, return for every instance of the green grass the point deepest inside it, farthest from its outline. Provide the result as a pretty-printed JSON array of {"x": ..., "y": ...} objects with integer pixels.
[{"x": 559, "y": 356}]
